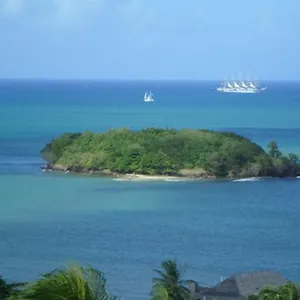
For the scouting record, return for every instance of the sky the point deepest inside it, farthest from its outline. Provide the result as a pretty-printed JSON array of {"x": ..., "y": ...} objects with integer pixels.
[{"x": 150, "y": 39}]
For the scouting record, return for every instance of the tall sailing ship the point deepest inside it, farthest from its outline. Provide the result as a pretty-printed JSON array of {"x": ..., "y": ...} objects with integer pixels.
[{"x": 243, "y": 87}]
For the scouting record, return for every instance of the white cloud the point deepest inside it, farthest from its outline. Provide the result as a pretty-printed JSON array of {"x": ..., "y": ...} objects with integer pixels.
[{"x": 11, "y": 7}]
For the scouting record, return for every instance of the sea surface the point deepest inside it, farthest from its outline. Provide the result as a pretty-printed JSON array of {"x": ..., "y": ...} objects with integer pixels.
[{"x": 127, "y": 228}]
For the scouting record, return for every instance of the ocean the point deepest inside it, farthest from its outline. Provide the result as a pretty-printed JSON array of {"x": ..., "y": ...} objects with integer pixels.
[{"x": 126, "y": 228}]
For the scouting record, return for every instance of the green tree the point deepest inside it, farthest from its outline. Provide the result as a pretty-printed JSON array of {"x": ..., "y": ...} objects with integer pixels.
[
  {"x": 288, "y": 291},
  {"x": 72, "y": 283},
  {"x": 274, "y": 150},
  {"x": 170, "y": 279},
  {"x": 158, "y": 151},
  {"x": 159, "y": 293},
  {"x": 293, "y": 158},
  {"x": 9, "y": 289}
]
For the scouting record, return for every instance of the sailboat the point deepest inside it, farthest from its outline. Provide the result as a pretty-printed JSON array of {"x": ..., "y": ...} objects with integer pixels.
[
  {"x": 241, "y": 87},
  {"x": 148, "y": 97}
]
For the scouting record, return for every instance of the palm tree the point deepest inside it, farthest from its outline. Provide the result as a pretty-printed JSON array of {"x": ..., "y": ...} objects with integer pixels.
[
  {"x": 288, "y": 291},
  {"x": 159, "y": 293},
  {"x": 9, "y": 289},
  {"x": 72, "y": 283},
  {"x": 269, "y": 293},
  {"x": 170, "y": 281}
]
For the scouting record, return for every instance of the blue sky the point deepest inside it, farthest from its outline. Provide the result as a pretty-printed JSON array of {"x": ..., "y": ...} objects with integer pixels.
[{"x": 150, "y": 39}]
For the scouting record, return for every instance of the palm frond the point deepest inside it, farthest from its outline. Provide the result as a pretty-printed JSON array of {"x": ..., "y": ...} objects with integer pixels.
[
  {"x": 72, "y": 283},
  {"x": 158, "y": 292},
  {"x": 9, "y": 289},
  {"x": 289, "y": 291},
  {"x": 170, "y": 278}
]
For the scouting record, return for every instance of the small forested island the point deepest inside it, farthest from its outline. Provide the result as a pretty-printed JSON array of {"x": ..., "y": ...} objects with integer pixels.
[{"x": 167, "y": 152}]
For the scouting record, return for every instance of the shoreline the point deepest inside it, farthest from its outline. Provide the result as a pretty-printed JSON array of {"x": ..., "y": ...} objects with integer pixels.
[
  {"x": 147, "y": 177},
  {"x": 142, "y": 177},
  {"x": 127, "y": 176}
]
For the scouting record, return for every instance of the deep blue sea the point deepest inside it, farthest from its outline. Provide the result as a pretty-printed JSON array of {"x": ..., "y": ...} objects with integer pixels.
[{"x": 127, "y": 228}]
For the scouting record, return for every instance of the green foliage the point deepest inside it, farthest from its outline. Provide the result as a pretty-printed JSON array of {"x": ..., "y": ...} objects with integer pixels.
[
  {"x": 8, "y": 290},
  {"x": 285, "y": 166},
  {"x": 167, "y": 152},
  {"x": 170, "y": 284},
  {"x": 52, "y": 151},
  {"x": 86, "y": 283},
  {"x": 159, "y": 293},
  {"x": 293, "y": 158},
  {"x": 72, "y": 283},
  {"x": 253, "y": 297},
  {"x": 274, "y": 150},
  {"x": 154, "y": 151},
  {"x": 288, "y": 291},
  {"x": 282, "y": 166}
]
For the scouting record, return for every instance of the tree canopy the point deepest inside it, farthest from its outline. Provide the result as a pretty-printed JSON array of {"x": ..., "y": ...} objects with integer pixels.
[
  {"x": 288, "y": 291},
  {"x": 158, "y": 151},
  {"x": 8, "y": 290},
  {"x": 72, "y": 283},
  {"x": 169, "y": 283},
  {"x": 76, "y": 282}
]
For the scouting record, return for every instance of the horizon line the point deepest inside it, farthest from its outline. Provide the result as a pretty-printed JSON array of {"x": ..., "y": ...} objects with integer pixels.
[{"x": 133, "y": 80}]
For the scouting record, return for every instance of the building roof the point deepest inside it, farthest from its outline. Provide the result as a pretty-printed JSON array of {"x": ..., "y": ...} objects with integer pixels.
[{"x": 243, "y": 284}]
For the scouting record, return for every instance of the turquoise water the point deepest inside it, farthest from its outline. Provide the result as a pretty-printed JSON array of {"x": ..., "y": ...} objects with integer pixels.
[{"x": 127, "y": 228}]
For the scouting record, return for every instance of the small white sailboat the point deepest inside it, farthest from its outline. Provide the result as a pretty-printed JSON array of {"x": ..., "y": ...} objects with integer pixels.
[{"x": 148, "y": 97}]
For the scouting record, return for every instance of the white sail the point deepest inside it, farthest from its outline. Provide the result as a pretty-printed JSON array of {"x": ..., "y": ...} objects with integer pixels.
[
  {"x": 243, "y": 87},
  {"x": 252, "y": 85},
  {"x": 148, "y": 97},
  {"x": 243, "y": 84},
  {"x": 236, "y": 85}
]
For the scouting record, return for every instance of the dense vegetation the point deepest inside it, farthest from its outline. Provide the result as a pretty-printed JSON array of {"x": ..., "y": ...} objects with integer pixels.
[
  {"x": 168, "y": 152},
  {"x": 86, "y": 283},
  {"x": 72, "y": 283},
  {"x": 9, "y": 289}
]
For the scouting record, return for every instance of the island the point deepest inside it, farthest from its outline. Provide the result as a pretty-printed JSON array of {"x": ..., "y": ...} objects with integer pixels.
[{"x": 151, "y": 152}]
